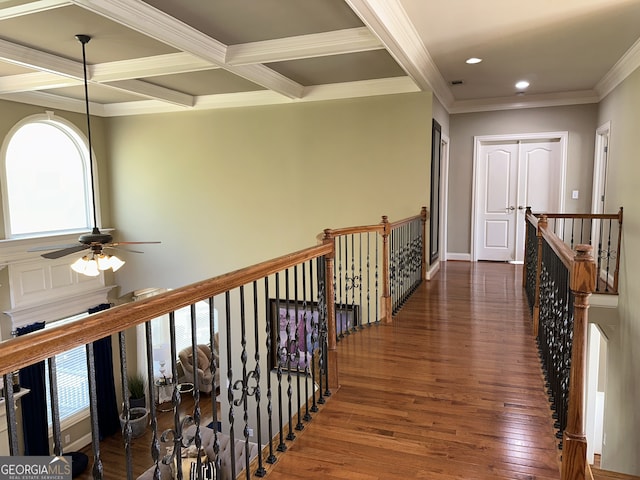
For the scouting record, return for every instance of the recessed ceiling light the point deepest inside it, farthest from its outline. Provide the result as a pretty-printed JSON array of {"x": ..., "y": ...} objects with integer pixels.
[
  {"x": 522, "y": 84},
  {"x": 473, "y": 60}
]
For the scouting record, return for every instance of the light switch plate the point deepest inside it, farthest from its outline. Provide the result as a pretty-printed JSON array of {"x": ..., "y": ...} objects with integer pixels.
[{"x": 575, "y": 194}]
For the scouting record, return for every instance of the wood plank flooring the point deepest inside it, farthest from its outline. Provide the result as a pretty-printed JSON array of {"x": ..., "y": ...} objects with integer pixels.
[{"x": 452, "y": 389}]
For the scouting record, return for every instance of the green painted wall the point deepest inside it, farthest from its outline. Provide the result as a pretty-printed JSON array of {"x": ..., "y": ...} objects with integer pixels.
[{"x": 223, "y": 189}]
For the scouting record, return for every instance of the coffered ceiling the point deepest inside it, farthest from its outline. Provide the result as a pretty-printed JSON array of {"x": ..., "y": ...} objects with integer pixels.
[{"x": 168, "y": 55}]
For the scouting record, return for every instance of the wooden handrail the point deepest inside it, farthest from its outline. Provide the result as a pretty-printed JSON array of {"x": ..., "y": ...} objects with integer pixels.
[
  {"x": 564, "y": 253},
  {"x": 22, "y": 351}
]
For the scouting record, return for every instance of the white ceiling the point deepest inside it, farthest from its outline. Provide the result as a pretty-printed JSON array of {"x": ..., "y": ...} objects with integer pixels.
[{"x": 167, "y": 55}]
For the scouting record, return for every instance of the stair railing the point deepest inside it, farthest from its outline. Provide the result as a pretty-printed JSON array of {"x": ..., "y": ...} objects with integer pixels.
[
  {"x": 558, "y": 283},
  {"x": 377, "y": 268}
]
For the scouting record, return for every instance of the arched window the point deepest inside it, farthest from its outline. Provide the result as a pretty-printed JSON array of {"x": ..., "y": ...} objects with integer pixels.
[{"x": 46, "y": 178}]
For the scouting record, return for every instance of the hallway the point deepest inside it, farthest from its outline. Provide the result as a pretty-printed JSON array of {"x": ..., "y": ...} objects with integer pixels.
[{"x": 452, "y": 389}]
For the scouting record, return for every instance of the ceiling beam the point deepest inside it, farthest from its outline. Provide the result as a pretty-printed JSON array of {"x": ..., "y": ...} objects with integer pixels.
[
  {"x": 168, "y": 64},
  {"x": 31, "y": 7},
  {"x": 58, "y": 72},
  {"x": 153, "y": 92},
  {"x": 31, "y": 82},
  {"x": 350, "y": 40},
  {"x": 37, "y": 60},
  {"x": 150, "y": 21},
  {"x": 389, "y": 22}
]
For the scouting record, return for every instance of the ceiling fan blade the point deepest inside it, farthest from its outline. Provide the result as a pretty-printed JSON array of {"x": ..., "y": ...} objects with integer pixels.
[
  {"x": 122, "y": 249},
  {"x": 53, "y": 247},
  {"x": 65, "y": 251},
  {"x": 132, "y": 243}
]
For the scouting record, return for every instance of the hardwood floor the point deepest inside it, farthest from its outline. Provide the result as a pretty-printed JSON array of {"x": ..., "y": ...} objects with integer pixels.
[{"x": 452, "y": 389}]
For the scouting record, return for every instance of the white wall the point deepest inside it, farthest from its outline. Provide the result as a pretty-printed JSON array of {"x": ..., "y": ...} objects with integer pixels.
[{"x": 621, "y": 450}]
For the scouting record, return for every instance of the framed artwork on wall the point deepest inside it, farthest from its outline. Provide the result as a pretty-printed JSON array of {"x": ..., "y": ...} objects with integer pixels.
[{"x": 293, "y": 342}]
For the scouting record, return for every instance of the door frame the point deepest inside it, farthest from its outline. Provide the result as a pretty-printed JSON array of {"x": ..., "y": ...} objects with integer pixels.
[
  {"x": 478, "y": 142},
  {"x": 600, "y": 163}
]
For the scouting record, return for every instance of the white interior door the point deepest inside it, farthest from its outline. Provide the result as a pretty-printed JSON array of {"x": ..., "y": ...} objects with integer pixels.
[
  {"x": 511, "y": 175},
  {"x": 537, "y": 184},
  {"x": 498, "y": 184}
]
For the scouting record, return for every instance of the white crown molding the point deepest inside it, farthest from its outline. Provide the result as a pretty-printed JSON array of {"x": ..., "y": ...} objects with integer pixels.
[
  {"x": 365, "y": 88},
  {"x": 525, "y": 101},
  {"x": 624, "y": 67},
  {"x": 303, "y": 46},
  {"x": 31, "y": 7}
]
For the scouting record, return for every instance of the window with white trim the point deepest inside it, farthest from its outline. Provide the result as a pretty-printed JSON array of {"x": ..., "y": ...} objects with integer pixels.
[{"x": 46, "y": 180}]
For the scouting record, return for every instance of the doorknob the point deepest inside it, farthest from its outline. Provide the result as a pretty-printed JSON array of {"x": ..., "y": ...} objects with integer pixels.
[
  {"x": 520, "y": 207},
  {"x": 511, "y": 208}
]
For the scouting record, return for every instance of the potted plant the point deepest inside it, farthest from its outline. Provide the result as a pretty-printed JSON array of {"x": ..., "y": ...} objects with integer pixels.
[
  {"x": 138, "y": 413},
  {"x": 135, "y": 383},
  {"x": 138, "y": 419}
]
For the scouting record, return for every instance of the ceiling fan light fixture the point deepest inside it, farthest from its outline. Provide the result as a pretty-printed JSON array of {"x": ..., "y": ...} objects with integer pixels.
[
  {"x": 86, "y": 266},
  {"x": 115, "y": 262},
  {"x": 522, "y": 84}
]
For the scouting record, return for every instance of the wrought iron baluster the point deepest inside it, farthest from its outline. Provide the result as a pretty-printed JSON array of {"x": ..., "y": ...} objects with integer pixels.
[
  {"x": 360, "y": 276},
  {"x": 230, "y": 384},
  {"x": 155, "y": 439},
  {"x": 314, "y": 338},
  {"x": 280, "y": 351},
  {"x": 261, "y": 471},
  {"x": 126, "y": 427},
  {"x": 98, "y": 469},
  {"x": 297, "y": 349},
  {"x": 290, "y": 347},
  {"x": 10, "y": 409},
  {"x": 271, "y": 458},
  {"x": 55, "y": 410},
  {"x": 308, "y": 351}
]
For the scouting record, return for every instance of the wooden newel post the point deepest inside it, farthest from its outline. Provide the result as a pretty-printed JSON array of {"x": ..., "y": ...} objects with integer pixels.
[
  {"x": 424, "y": 216},
  {"x": 385, "y": 300},
  {"x": 332, "y": 354},
  {"x": 574, "y": 446},
  {"x": 542, "y": 225}
]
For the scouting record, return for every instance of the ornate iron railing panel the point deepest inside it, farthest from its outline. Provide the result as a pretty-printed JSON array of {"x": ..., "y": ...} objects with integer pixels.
[
  {"x": 406, "y": 259},
  {"x": 531, "y": 264},
  {"x": 555, "y": 333},
  {"x": 603, "y": 232}
]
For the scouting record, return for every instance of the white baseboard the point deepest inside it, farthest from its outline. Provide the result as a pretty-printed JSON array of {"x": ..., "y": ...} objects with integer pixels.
[
  {"x": 461, "y": 257},
  {"x": 79, "y": 444},
  {"x": 433, "y": 269}
]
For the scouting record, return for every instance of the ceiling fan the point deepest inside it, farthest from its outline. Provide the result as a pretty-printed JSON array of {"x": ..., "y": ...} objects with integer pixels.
[{"x": 96, "y": 241}]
